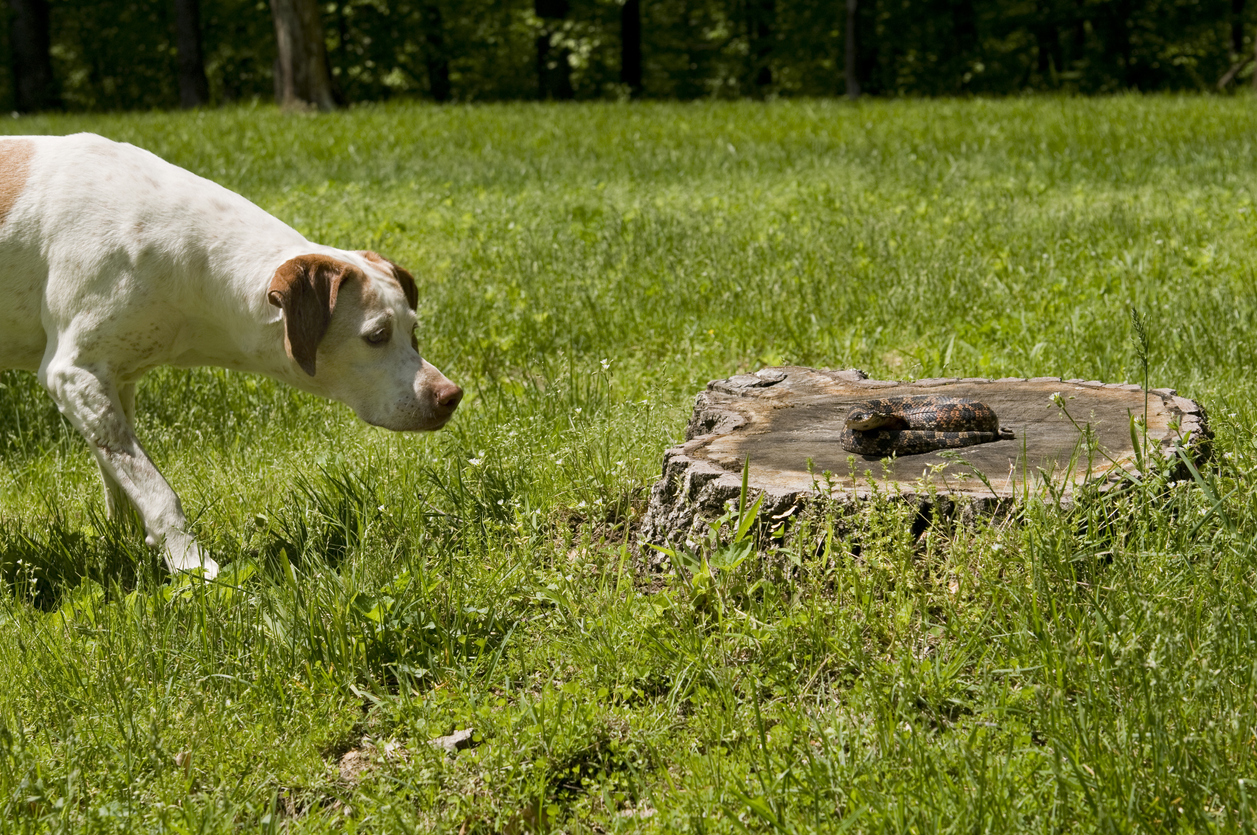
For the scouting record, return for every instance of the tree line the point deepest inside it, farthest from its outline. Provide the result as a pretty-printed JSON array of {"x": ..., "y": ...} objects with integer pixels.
[{"x": 131, "y": 54}]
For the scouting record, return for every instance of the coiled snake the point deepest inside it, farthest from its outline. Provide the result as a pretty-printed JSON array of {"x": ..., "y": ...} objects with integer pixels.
[{"x": 916, "y": 424}]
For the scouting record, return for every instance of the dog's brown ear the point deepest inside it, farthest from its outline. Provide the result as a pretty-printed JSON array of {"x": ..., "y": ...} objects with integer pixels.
[
  {"x": 305, "y": 288},
  {"x": 407, "y": 281},
  {"x": 404, "y": 278}
]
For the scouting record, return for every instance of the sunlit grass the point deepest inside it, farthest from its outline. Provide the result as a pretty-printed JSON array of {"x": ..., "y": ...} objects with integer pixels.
[{"x": 584, "y": 271}]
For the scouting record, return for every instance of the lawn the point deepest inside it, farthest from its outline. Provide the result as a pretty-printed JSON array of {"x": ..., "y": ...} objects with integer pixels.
[{"x": 584, "y": 271}]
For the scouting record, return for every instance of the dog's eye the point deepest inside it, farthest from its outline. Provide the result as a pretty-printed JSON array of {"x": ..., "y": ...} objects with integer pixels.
[{"x": 377, "y": 337}]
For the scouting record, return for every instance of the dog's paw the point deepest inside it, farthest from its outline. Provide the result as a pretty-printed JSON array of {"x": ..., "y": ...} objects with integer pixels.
[{"x": 183, "y": 554}]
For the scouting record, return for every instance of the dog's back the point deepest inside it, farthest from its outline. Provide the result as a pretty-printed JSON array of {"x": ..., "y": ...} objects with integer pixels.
[
  {"x": 22, "y": 338},
  {"x": 91, "y": 224}
]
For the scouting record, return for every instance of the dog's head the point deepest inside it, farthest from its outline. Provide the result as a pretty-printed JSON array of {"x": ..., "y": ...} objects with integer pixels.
[{"x": 349, "y": 323}]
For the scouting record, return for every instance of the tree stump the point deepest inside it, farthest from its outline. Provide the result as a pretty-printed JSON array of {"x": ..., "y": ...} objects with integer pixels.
[{"x": 787, "y": 421}]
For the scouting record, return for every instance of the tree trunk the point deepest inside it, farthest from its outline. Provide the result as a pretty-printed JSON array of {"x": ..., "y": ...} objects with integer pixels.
[
  {"x": 1078, "y": 49},
  {"x": 760, "y": 22},
  {"x": 302, "y": 78},
  {"x": 851, "y": 50},
  {"x": 30, "y": 40},
  {"x": 1117, "y": 38},
  {"x": 193, "y": 88},
  {"x": 873, "y": 59},
  {"x": 964, "y": 20},
  {"x": 1047, "y": 39},
  {"x": 554, "y": 70},
  {"x": 1237, "y": 28},
  {"x": 631, "y": 46},
  {"x": 438, "y": 60}
]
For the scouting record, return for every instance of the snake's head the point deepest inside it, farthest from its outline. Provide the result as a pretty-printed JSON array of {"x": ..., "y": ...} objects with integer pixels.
[{"x": 864, "y": 419}]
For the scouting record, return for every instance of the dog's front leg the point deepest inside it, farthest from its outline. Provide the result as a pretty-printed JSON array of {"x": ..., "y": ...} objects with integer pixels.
[
  {"x": 88, "y": 397},
  {"x": 116, "y": 501}
]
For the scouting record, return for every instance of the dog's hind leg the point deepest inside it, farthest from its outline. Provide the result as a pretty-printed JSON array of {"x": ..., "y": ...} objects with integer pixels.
[{"x": 96, "y": 406}]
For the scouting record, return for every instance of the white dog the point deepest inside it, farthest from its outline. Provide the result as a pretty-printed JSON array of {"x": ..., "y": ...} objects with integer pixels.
[{"x": 113, "y": 261}]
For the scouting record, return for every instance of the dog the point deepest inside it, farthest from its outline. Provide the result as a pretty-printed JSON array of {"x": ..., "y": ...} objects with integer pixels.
[{"x": 113, "y": 262}]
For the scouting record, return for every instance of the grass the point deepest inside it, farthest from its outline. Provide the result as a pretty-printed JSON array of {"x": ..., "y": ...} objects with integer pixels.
[{"x": 584, "y": 271}]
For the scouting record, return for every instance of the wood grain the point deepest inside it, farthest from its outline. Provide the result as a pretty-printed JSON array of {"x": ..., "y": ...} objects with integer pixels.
[{"x": 787, "y": 422}]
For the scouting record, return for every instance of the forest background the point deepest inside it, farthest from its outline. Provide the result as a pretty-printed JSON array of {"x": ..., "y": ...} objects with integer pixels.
[{"x": 123, "y": 55}]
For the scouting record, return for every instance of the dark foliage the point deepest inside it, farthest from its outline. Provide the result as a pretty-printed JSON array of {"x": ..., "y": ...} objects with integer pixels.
[{"x": 122, "y": 54}]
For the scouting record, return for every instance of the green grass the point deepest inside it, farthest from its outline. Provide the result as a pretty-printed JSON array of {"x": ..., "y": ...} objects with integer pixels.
[{"x": 584, "y": 271}]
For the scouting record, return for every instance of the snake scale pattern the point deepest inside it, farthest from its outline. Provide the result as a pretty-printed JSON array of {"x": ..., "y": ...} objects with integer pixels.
[{"x": 917, "y": 424}]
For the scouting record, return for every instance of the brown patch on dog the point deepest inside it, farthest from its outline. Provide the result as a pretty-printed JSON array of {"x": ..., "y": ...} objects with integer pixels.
[
  {"x": 403, "y": 277},
  {"x": 305, "y": 288},
  {"x": 15, "y": 163}
]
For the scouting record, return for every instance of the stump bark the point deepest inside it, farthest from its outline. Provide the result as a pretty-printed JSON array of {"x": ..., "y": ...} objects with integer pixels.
[{"x": 786, "y": 422}]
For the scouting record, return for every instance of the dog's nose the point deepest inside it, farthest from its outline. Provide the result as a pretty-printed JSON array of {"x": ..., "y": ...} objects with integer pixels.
[{"x": 448, "y": 396}]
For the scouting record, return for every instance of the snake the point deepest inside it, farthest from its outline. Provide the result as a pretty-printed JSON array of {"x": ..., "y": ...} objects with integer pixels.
[{"x": 920, "y": 423}]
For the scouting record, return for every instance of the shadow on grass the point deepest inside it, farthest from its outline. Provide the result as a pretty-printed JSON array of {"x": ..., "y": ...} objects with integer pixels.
[
  {"x": 325, "y": 518},
  {"x": 42, "y": 567}
]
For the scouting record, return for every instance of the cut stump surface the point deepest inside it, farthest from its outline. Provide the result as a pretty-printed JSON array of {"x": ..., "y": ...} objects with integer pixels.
[{"x": 787, "y": 422}]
